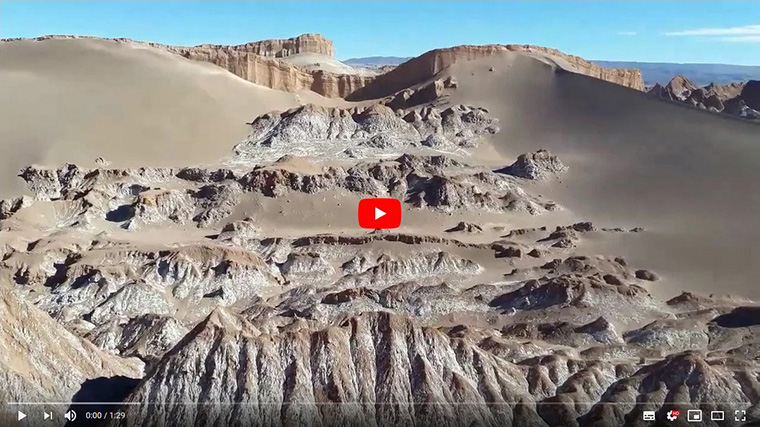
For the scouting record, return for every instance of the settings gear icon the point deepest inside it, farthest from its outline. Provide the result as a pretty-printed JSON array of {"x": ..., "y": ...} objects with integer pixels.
[{"x": 673, "y": 415}]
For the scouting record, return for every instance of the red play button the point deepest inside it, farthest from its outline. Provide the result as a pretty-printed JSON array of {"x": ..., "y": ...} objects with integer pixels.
[{"x": 379, "y": 213}]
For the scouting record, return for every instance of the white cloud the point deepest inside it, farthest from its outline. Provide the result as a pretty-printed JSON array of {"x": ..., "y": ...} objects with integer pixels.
[
  {"x": 747, "y": 30},
  {"x": 627, "y": 33},
  {"x": 741, "y": 39}
]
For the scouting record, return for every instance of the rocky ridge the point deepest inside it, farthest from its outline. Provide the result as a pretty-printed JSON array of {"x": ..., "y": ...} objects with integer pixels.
[
  {"x": 279, "y": 48},
  {"x": 741, "y": 99},
  {"x": 364, "y": 132},
  {"x": 380, "y": 368},
  {"x": 355, "y": 87},
  {"x": 429, "y": 64}
]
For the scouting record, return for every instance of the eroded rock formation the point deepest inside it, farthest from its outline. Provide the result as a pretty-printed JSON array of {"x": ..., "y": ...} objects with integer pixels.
[
  {"x": 43, "y": 362},
  {"x": 739, "y": 99},
  {"x": 375, "y": 131}
]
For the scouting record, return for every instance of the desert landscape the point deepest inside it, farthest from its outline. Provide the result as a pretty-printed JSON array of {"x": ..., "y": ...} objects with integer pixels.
[{"x": 180, "y": 239}]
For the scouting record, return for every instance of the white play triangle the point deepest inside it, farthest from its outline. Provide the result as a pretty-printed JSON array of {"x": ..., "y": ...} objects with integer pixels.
[{"x": 379, "y": 213}]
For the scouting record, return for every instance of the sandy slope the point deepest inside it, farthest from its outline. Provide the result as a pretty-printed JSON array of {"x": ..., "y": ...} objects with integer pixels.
[
  {"x": 77, "y": 100},
  {"x": 687, "y": 176}
]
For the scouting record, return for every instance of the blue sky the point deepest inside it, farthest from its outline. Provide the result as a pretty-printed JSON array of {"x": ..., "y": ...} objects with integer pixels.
[{"x": 651, "y": 31}]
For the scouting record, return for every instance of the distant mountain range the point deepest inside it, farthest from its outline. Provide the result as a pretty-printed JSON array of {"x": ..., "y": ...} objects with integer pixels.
[{"x": 653, "y": 72}]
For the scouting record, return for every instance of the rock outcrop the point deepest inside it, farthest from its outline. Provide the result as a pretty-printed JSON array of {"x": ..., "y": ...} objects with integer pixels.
[
  {"x": 271, "y": 72},
  {"x": 465, "y": 227},
  {"x": 428, "y": 94},
  {"x": 726, "y": 91},
  {"x": 680, "y": 87},
  {"x": 371, "y": 132},
  {"x": 280, "y": 48},
  {"x": 538, "y": 165},
  {"x": 738, "y": 99}
]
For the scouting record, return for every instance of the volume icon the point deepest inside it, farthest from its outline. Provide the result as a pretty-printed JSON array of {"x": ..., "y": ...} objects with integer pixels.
[{"x": 70, "y": 415}]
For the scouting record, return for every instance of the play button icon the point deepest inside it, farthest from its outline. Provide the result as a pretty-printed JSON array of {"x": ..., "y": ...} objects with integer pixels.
[
  {"x": 379, "y": 213},
  {"x": 21, "y": 415}
]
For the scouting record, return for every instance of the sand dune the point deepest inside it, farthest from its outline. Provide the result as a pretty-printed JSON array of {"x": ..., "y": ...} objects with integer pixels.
[
  {"x": 688, "y": 176},
  {"x": 79, "y": 99}
]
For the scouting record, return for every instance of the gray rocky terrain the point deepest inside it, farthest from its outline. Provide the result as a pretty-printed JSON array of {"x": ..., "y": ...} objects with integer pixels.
[{"x": 371, "y": 329}]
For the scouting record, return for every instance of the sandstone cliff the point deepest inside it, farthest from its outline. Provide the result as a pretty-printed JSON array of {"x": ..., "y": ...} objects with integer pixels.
[
  {"x": 255, "y": 62},
  {"x": 622, "y": 76},
  {"x": 429, "y": 64},
  {"x": 279, "y": 48},
  {"x": 270, "y": 72}
]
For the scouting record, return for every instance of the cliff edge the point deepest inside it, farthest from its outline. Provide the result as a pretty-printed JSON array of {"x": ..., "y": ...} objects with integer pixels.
[{"x": 431, "y": 63}]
